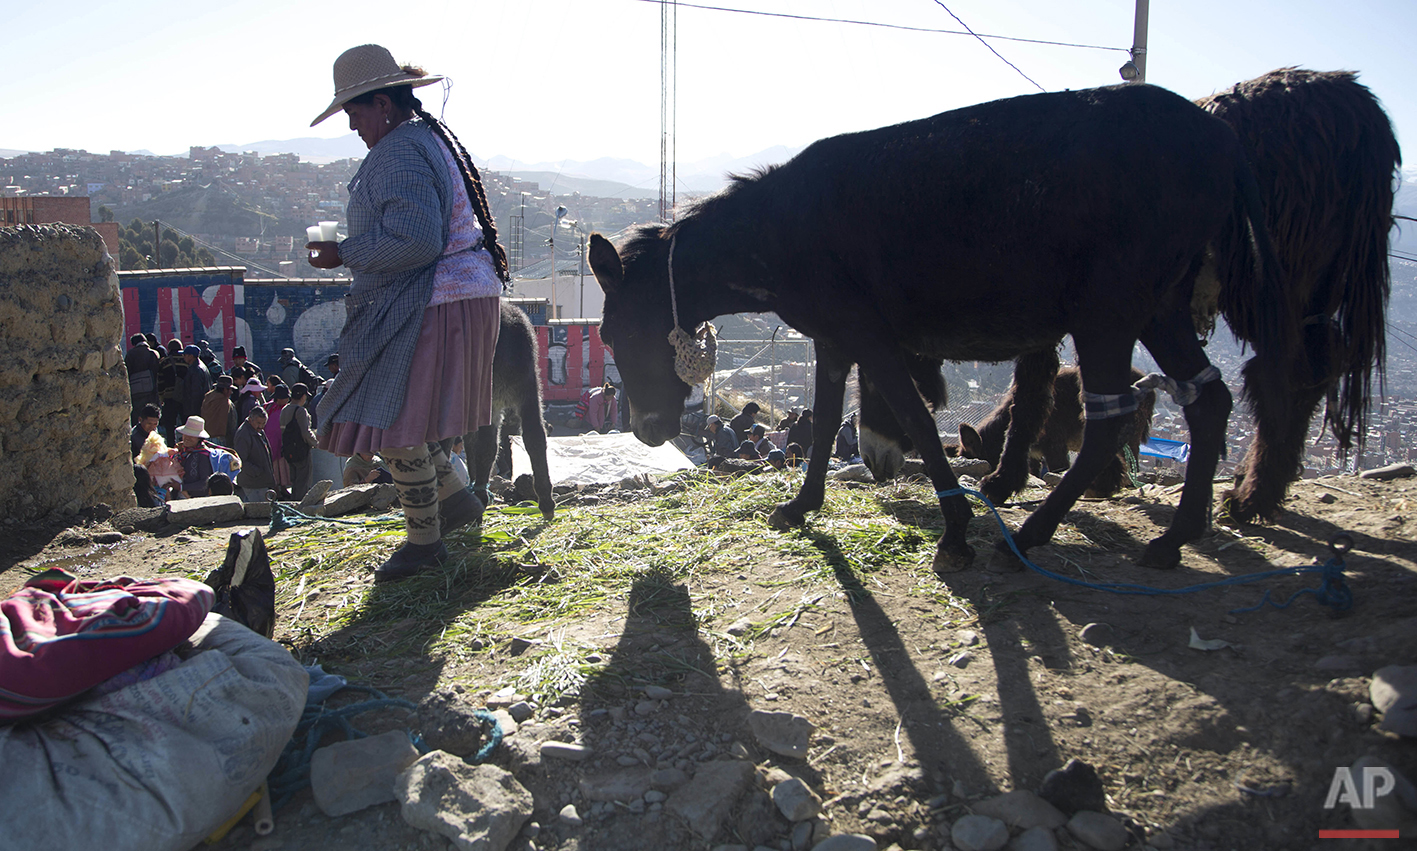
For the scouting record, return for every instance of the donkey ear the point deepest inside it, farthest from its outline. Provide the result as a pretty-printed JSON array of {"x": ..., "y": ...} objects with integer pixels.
[
  {"x": 605, "y": 263},
  {"x": 971, "y": 445}
]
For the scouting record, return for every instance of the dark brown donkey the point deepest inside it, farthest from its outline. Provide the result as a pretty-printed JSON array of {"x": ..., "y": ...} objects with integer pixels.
[{"x": 985, "y": 233}]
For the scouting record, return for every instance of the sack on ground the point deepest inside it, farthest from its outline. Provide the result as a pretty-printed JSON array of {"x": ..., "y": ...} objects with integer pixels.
[
  {"x": 160, "y": 763},
  {"x": 244, "y": 584}
]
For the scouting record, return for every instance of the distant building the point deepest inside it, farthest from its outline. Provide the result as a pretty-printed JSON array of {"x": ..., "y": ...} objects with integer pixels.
[{"x": 49, "y": 209}]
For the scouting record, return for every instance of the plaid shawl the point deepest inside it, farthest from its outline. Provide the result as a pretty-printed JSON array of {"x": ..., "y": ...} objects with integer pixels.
[{"x": 400, "y": 202}]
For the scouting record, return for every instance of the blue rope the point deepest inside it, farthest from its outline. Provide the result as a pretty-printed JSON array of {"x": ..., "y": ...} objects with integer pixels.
[
  {"x": 292, "y": 771},
  {"x": 284, "y": 516},
  {"x": 1331, "y": 592}
]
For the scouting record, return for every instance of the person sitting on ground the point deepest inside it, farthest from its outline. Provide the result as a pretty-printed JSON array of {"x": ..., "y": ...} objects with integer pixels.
[
  {"x": 218, "y": 412},
  {"x": 788, "y": 421},
  {"x": 364, "y": 468},
  {"x": 777, "y": 459},
  {"x": 846, "y": 443},
  {"x": 219, "y": 484},
  {"x": 143, "y": 489},
  {"x": 195, "y": 457},
  {"x": 722, "y": 441},
  {"x": 148, "y": 419},
  {"x": 759, "y": 435},
  {"x": 801, "y": 431},
  {"x": 747, "y": 451},
  {"x": 796, "y": 456},
  {"x": 598, "y": 409},
  {"x": 458, "y": 457},
  {"x": 257, "y": 471},
  {"x": 743, "y": 423}
]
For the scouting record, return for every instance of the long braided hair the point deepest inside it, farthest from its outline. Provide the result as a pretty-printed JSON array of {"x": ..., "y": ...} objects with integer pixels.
[{"x": 403, "y": 98}]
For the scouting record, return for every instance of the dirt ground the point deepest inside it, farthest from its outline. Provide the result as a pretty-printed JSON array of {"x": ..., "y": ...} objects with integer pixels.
[{"x": 926, "y": 695}]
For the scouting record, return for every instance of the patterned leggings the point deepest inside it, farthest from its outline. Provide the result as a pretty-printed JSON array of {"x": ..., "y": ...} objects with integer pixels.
[{"x": 423, "y": 475}]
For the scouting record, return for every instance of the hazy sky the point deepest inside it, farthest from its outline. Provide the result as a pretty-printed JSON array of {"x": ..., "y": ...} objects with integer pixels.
[{"x": 555, "y": 80}]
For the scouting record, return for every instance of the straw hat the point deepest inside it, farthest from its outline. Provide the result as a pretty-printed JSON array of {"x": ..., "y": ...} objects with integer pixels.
[
  {"x": 196, "y": 426},
  {"x": 367, "y": 67}
]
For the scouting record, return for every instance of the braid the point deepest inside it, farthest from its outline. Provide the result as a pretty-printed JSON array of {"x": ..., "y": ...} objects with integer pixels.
[{"x": 475, "y": 193}]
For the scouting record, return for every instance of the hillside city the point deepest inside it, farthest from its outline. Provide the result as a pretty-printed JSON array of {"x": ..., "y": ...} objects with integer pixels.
[{"x": 252, "y": 210}]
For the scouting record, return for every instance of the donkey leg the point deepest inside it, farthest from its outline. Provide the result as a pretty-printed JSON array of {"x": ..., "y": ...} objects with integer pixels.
[
  {"x": 832, "y": 369},
  {"x": 888, "y": 373},
  {"x": 534, "y": 439},
  {"x": 1106, "y": 371},
  {"x": 484, "y": 454},
  {"x": 1033, "y": 402},
  {"x": 1180, "y": 356}
]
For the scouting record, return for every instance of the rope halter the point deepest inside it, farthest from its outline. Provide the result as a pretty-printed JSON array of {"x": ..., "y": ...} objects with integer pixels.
[{"x": 696, "y": 354}]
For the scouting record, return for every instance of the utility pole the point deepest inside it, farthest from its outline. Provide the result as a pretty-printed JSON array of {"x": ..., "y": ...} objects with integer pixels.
[
  {"x": 157, "y": 245},
  {"x": 1134, "y": 71},
  {"x": 668, "y": 81}
]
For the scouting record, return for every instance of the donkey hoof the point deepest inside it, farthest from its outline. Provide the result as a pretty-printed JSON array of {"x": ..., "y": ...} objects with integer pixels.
[
  {"x": 1003, "y": 560},
  {"x": 952, "y": 561},
  {"x": 783, "y": 518},
  {"x": 1160, "y": 556}
]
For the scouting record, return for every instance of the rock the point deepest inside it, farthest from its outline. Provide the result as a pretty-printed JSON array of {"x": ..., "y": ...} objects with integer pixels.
[
  {"x": 478, "y": 807},
  {"x": 802, "y": 836},
  {"x": 348, "y": 500},
  {"x": 564, "y": 750},
  {"x": 668, "y": 779},
  {"x": 975, "y": 467},
  {"x": 1098, "y": 830},
  {"x": 1161, "y": 840},
  {"x": 967, "y": 637},
  {"x": 979, "y": 833},
  {"x": 1074, "y": 787},
  {"x": 256, "y": 510},
  {"x": 1397, "y": 810},
  {"x": 781, "y": 732},
  {"x": 846, "y": 842},
  {"x": 759, "y": 822},
  {"x": 204, "y": 510},
  {"x": 314, "y": 500},
  {"x": 705, "y": 801},
  {"x": 1388, "y": 473},
  {"x": 796, "y": 800},
  {"x": 385, "y": 495},
  {"x": 569, "y": 816},
  {"x": 1327, "y": 498},
  {"x": 852, "y": 473},
  {"x": 658, "y": 693},
  {"x": 108, "y": 538},
  {"x": 740, "y": 627},
  {"x": 520, "y": 645},
  {"x": 505, "y": 721},
  {"x": 1394, "y": 694},
  {"x": 348, "y": 776},
  {"x": 623, "y": 786},
  {"x": 961, "y": 659},
  {"x": 730, "y": 848},
  {"x": 1097, "y": 635},
  {"x": 520, "y": 711},
  {"x": 1021, "y": 809},
  {"x": 1034, "y": 839},
  {"x": 449, "y": 723}
]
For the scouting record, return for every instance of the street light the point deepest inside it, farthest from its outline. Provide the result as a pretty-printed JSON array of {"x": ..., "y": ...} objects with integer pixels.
[{"x": 560, "y": 214}]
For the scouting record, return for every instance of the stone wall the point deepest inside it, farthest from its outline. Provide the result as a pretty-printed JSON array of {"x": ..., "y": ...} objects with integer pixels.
[{"x": 64, "y": 402}]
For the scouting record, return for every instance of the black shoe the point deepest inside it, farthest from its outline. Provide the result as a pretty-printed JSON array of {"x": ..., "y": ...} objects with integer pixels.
[
  {"x": 409, "y": 559},
  {"x": 461, "y": 509}
]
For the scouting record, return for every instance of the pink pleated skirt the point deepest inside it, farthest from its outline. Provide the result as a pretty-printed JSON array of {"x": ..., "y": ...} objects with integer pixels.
[{"x": 449, "y": 382}]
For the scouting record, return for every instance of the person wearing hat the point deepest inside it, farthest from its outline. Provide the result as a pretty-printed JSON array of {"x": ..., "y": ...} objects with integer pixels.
[
  {"x": 777, "y": 459},
  {"x": 293, "y": 372},
  {"x": 724, "y": 442},
  {"x": 423, "y": 310},
  {"x": 195, "y": 458},
  {"x": 759, "y": 435},
  {"x": 332, "y": 364},
  {"x": 171, "y": 372},
  {"x": 142, "y": 364},
  {"x": 250, "y": 397},
  {"x": 280, "y": 397},
  {"x": 196, "y": 382},
  {"x": 240, "y": 361},
  {"x": 801, "y": 431}
]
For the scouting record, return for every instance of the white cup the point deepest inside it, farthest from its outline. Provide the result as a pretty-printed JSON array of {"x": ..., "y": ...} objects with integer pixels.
[
  {"x": 329, "y": 231},
  {"x": 314, "y": 233}
]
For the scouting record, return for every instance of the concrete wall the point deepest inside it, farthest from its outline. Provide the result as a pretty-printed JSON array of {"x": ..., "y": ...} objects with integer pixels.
[{"x": 64, "y": 402}]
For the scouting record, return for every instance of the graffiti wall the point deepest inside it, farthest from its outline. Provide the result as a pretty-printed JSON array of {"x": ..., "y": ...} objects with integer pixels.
[{"x": 306, "y": 314}]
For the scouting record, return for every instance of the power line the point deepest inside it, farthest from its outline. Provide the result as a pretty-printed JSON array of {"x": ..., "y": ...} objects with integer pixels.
[
  {"x": 243, "y": 260},
  {"x": 990, "y": 46},
  {"x": 890, "y": 26}
]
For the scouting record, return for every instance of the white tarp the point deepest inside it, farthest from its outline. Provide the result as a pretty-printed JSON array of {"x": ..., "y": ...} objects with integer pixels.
[{"x": 597, "y": 459}]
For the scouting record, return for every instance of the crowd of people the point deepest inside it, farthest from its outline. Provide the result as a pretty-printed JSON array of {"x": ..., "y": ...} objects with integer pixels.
[{"x": 789, "y": 446}]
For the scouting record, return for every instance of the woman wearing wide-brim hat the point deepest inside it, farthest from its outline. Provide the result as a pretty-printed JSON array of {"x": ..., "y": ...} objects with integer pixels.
[{"x": 416, "y": 349}]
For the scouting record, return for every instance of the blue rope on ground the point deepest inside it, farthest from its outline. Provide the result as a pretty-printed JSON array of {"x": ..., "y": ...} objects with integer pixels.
[
  {"x": 292, "y": 771},
  {"x": 1332, "y": 591},
  {"x": 284, "y": 516}
]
